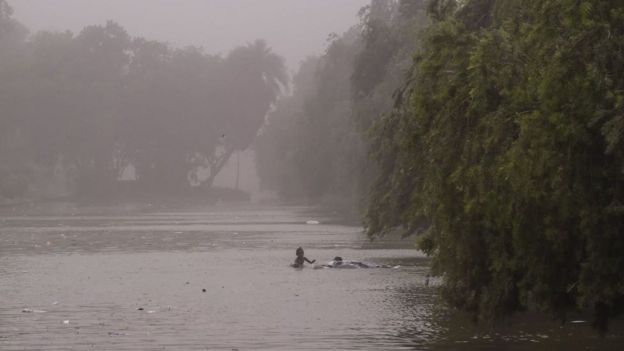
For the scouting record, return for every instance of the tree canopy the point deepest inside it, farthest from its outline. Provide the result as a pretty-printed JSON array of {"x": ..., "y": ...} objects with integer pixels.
[
  {"x": 90, "y": 106},
  {"x": 506, "y": 149}
]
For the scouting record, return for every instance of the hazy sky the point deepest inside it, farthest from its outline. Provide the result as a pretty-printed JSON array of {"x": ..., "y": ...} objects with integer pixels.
[{"x": 293, "y": 28}]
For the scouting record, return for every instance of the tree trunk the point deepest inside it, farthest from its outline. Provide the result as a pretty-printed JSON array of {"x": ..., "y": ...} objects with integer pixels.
[{"x": 216, "y": 167}]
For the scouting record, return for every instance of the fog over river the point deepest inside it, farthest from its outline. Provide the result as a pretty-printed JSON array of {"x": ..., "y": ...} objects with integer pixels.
[{"x": 218, "y": 278}]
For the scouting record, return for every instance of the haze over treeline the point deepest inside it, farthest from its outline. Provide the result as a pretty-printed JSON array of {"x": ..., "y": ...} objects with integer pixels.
[
  {"x": 85, "y": 107},
  {"x": 294, "y": 29},
  {"x": 491, "y": 129}
]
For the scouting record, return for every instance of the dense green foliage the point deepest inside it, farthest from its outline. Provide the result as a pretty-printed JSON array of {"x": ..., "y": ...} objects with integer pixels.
[
  {"x": 507, "y": 147},
  {"x": 86, "y": 109}
]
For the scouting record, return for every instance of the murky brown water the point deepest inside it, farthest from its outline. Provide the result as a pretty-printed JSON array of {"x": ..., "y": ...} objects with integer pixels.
[{"x": 133, "y": 278}]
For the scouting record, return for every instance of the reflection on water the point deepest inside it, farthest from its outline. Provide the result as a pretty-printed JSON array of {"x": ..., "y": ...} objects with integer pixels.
[{"x": 141, "y": 278}]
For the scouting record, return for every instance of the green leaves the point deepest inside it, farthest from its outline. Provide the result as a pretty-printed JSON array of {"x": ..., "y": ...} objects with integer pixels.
[{"x": 511, "y": 129}]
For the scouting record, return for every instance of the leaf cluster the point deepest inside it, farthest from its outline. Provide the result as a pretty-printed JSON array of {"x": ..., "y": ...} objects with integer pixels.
[{"x": 506, "y": 148}]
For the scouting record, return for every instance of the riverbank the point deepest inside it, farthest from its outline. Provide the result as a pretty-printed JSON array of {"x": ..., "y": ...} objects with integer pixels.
[{"x": 124, "y": 195}]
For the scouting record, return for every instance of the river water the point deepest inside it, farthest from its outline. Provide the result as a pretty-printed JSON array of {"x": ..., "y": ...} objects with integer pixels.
[{"x": 218, "y": 278}]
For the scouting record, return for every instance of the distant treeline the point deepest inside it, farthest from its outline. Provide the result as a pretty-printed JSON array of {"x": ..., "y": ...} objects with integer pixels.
[
  {"x": 501, "y": 144},
  {"x": 315, "y": 144},
  {"x": 90, "y": 107}
]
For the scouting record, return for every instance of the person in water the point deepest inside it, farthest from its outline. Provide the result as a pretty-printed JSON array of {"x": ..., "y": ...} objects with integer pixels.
[
  {"x": 301, "y": 258},
  {"x": 338, "y": 262}
]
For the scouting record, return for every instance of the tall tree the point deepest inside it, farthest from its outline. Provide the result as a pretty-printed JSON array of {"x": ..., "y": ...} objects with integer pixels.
[
  {"x": 15, "y": 165},
  {"x": 277, "y": 143},
  {"x": 506, "y": 146},
  {"x": 256, "y": 77},
  {"x": 317, "y": 135}
]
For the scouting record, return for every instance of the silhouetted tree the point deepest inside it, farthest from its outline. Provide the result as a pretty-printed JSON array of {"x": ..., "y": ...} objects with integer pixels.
[
  {"x": 256, "y": 77},
  {"x": 93, "y": 105}
]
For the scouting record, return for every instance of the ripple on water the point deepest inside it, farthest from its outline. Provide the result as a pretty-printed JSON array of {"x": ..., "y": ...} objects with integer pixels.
[{"x": 130, "y": 280}]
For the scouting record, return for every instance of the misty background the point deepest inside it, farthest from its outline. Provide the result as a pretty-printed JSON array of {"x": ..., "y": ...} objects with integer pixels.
[{"x": 293, "y": 29}]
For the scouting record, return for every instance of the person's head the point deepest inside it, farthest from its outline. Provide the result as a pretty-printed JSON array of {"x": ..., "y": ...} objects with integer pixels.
[
  {"x": 338, "y": 260},
  {"x": 299, "y": 251}
]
